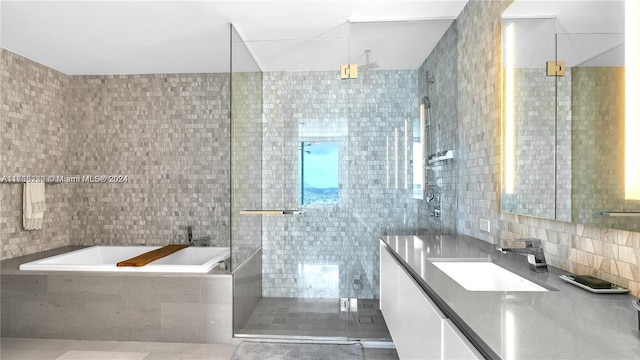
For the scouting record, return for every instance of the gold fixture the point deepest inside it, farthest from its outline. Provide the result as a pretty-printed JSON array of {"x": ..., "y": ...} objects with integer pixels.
[
  {"x": 556, "y": 68},
  {"x": 349, "y": 71}
]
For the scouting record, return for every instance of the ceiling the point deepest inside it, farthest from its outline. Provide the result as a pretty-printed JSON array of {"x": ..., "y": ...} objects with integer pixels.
[
  {"x": 138, "y": 37},
  {"x": 573, "y": 16},
  {"x": 589, "y": 32}
]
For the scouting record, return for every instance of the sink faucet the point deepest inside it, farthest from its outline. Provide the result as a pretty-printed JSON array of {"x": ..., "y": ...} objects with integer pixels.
[{"x": 530, "y": 247}]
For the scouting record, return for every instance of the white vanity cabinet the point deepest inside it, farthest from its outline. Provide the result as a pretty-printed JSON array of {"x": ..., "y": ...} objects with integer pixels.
[
  {"x": 455, "y": 345},
  {"x": 418, "y": 329},
  {"x": 389, "y": 269},
  {"x": 419, "y": 322}
]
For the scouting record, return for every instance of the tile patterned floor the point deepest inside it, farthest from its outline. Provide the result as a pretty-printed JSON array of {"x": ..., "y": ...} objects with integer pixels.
[
  {"x": 316, "y": 317},
  {"x": 53, "y": 349}
]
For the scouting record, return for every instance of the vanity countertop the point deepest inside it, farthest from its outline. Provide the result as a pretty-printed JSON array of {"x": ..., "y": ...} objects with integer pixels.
[{"x": 565, "y": 323}]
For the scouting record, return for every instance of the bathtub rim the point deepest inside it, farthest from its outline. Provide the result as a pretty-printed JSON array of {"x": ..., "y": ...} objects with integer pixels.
[{"x": 11, "y": 266}]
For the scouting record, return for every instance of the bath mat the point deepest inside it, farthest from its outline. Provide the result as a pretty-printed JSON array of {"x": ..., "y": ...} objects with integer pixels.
[
  {"x": 289, "y": 351},
  {"x": 102, "y": 355}
]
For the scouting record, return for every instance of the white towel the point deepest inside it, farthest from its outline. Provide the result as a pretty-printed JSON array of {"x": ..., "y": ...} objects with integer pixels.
[
  {"x": 37, "y": 197},
  {"x": 33, "y": 206}
]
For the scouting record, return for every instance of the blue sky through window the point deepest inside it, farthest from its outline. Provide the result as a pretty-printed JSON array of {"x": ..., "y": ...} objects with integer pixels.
[{"x": 319, "y": 173}]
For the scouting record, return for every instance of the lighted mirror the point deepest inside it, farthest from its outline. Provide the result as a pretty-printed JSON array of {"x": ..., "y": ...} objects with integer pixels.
[
  {"x": 529, "y": 118},
  {"x": 565, "y": 156}
]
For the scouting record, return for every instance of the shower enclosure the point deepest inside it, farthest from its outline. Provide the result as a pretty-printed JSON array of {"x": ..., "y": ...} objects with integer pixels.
[{"x": 321, "y": 167}]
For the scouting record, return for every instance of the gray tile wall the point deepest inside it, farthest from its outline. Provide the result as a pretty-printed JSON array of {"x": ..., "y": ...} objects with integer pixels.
[
  {"x": 332, "y": 251},
  {"x": 169, "y": 134},
  {"x": 564, "y": 152},
  {"x": 441, "y": 68},
  {"x": 479, "y": 127},
  {"x": 34, "y": 141},
  {"x": 598, "y": 116},
  {"x": 536, "y": 192},
  {"x": 535, "y": 124}
]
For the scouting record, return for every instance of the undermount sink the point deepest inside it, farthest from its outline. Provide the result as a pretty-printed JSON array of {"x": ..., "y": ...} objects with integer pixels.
[{"x": 484, "y": 275}]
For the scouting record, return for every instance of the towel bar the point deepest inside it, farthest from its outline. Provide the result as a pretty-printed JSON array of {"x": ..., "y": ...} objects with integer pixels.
[
  {"x": 271, "y": 212},
  {"x": 617, "y": 213}
]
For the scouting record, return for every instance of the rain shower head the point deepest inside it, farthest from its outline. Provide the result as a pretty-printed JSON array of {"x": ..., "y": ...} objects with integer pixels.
[{"x": 368, "y": 65}]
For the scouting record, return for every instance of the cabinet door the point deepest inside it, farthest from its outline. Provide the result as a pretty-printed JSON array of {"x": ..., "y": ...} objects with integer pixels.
[
  {"x": 389, "y": 289},
  {"x": 455, "y": 345},
  {"x": 419, "y": 322}
]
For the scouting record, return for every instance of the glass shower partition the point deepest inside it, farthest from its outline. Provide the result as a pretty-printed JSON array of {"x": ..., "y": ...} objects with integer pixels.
[
  {"x": 246, "y": 178},
  {"x": 296, "y": 179},
  {"x": 336, "y": 152}
]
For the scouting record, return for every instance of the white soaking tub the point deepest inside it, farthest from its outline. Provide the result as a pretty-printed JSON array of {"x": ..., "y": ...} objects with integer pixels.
[{"x": 105, "y": 258}]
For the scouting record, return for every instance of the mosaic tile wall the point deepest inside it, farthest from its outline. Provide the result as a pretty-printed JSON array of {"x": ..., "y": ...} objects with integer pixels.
[
  {"x": 564, "y": 154},
  {"x": 598, "y": 116},
  {"x": 331, "y": 251},
  {"x": 169, "y": 134},
  {"x": 479, "y": 127},
  {"x": 610, "y": 254},
  {"x": 438, "y": 80},
  {"x": 535, "y": 125},
  {"x": 536, "y": 192},
  {"x": 34, "y": 141}
]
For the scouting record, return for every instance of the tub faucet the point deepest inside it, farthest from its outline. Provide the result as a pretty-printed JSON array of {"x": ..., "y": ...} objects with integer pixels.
[
  {"x": 189, "y": 235},
  {"x": 530, "y": 247}
]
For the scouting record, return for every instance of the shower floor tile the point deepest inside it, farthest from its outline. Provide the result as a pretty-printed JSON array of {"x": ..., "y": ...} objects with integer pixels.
[{"x": 316, "y": 318}]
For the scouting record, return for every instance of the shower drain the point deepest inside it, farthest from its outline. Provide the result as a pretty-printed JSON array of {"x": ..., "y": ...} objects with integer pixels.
[{"x": 349, "y": 304}]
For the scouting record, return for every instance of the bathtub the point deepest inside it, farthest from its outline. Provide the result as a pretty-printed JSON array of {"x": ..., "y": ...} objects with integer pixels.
[{"x": 105, "y": 258}]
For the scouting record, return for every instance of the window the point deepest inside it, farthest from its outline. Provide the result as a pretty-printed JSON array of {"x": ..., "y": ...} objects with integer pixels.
[{"x": 318, "y": 173}]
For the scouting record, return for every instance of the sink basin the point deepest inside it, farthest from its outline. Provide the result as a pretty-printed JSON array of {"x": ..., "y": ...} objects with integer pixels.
[{"x": 484, "y": 275}]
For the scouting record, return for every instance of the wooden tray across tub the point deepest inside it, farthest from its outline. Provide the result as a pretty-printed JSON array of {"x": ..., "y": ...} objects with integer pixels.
[{"x": 144, "y": 259}]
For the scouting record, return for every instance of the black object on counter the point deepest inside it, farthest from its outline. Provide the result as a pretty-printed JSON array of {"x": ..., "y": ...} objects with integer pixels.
[{"x": 592, "y": 282}]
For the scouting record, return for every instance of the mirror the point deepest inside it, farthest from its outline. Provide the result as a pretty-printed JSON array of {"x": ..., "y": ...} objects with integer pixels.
[
  {"x": 596, "y": 95},
  {"x": 563, "y": 136},
  {"x": 529, "y": 117}
]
